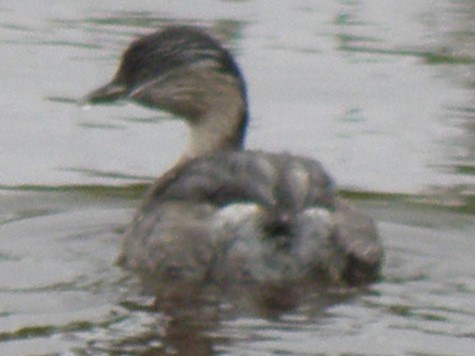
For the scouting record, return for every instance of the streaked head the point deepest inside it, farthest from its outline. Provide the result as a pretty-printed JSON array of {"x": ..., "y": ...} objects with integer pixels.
[
  {"x": 158, "y": 69},
  {"x": 184, "y": 71}
]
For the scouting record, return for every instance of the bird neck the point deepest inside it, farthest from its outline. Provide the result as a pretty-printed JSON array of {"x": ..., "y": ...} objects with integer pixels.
[
  {"x": 223, "y": 127},
  {"x": 220, "y": 124}
]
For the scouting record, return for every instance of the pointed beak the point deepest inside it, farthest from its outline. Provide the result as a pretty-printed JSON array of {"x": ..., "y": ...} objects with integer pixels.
[{"x": 108, "y": 93}]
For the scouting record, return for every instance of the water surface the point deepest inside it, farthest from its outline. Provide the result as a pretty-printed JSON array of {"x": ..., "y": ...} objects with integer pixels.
[{"x": 382, "y": 92}]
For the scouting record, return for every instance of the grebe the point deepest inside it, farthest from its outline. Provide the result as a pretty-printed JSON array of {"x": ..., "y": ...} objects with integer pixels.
[{"x": 221, "y": 213}]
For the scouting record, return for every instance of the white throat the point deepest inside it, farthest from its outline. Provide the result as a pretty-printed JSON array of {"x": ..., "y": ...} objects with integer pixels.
[{"x": 218, "y": 129}]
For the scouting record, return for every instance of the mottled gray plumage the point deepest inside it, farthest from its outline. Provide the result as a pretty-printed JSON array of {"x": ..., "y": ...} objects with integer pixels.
[{"x": 221, "y": 213}]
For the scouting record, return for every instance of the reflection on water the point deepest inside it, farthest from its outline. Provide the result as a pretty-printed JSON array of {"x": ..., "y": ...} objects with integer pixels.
[{"x": 392, "y": 85}]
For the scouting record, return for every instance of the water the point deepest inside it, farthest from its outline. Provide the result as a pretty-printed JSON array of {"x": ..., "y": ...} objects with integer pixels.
[{"x": 382, "y": 92}]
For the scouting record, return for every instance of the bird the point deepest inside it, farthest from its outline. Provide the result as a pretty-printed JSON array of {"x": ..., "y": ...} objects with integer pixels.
[{"x": 221, "y": 213}]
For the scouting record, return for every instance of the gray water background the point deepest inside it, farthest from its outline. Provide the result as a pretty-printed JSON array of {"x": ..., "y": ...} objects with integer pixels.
[{"x": 382, "y": 92}]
